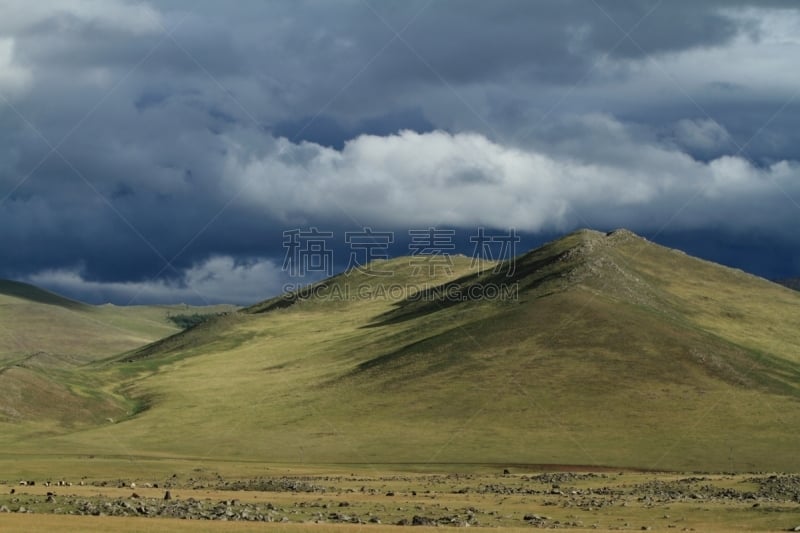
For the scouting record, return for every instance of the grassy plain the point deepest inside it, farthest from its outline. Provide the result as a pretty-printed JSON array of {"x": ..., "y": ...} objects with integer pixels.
[
  {"x": 332, "y": 498},
  {"x": 610, "y": 353}
]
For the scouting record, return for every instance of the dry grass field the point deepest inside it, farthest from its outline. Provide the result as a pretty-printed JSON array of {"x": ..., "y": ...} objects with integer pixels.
[
  {"x": 611, "y": 355},
  {"x": 333, "y": 499}
]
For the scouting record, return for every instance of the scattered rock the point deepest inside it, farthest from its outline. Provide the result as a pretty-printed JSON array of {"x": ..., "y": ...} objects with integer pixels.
[
  {"x": 271, "y": 485},
  {"x": 422, "y": 521},
  {"x": 534, "y": 517}
]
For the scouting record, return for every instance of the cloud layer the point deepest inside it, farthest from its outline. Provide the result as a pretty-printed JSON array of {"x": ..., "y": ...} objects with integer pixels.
[
  {"x": 467, "y": 180},
  {"x": 218, "y": 279},
  {"x": 148, "y": 141}
]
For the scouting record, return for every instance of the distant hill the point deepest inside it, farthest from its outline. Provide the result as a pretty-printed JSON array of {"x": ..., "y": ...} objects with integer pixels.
[
  {"x": 45, "y": 339},
  {"x": 24, "y": 291},
  {"x": 37, "y": 322},
  {"x": 595, "y": 349}
]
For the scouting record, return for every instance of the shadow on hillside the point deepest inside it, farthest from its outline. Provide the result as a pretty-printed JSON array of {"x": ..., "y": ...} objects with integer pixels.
[{"x": 514, "y": 277}]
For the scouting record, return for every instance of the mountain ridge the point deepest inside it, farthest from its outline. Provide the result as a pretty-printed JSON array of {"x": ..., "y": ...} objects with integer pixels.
[{"x": 608, "y": 341}]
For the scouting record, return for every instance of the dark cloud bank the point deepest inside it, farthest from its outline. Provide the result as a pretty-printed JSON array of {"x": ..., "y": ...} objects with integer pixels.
[{"x": 156, "y": 152}]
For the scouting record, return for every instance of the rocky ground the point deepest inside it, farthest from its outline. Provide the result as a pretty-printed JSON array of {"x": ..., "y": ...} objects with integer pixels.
[{"x": 547, "y": 500}]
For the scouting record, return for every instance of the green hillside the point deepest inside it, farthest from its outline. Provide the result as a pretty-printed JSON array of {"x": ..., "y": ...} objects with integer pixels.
[
  {"x": 40, "y": 324},
  {"x": 46, "y": 340},
  {"x": 31, "y": 293},
  {"x": 593, "y": 350}
]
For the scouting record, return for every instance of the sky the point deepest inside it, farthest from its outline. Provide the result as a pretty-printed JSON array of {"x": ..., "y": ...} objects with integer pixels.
[{"x": 183, "y": 151}]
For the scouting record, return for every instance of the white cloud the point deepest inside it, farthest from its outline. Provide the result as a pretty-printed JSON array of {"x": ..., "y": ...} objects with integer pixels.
[
  {"x": 219, "y": 279},
  {"x": 31, "y": 31},
  {"x": 414, "y": 180},
  {"x": 117, "y": 15},
  {"x": 705, "y": 135},
  {"x": 14, "y": 78},
  {"x": 763, "y": 60}
]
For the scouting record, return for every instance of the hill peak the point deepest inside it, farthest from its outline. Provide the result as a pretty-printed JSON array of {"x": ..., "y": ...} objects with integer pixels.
[
  {"x": 582, "y": 254},
  {"x": 583, "y": 244},
  {"x": 623, "y": 234},
  {"x": 618, "y": 235}
]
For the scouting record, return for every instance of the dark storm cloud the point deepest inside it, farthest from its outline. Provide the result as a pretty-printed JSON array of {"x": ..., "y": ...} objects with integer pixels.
[
  {"x": 200, "y": 131},
  {"x": 546, "y": 41}
]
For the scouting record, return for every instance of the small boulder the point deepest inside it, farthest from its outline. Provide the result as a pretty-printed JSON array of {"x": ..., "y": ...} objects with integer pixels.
[{"x": 422, "y": 521}]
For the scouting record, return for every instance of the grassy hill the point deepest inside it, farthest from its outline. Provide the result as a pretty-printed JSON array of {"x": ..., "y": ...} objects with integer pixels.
[
  {"x": 31, "y": 293},
  {"x": 45, "y": 337},
  {"x": 40, "y": 324},
  {"x": 594, "y": 349}
]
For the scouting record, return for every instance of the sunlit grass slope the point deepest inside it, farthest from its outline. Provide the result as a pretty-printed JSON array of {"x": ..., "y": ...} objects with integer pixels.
[
  {"x": 45, "y": 337},
  {"x": 609, "y": 350}
]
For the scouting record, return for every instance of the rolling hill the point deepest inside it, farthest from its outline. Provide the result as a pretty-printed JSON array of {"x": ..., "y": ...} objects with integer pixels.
[
  {"x": 595, "y": 349},
  {"x": 45, "y": 337},
  {"x": 31, "y": 293}
]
